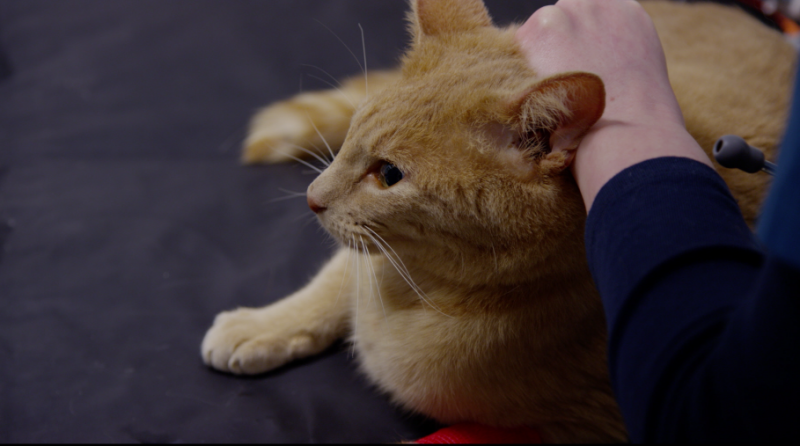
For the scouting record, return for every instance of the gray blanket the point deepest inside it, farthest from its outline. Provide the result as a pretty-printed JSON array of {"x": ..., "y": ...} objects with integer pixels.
[{"x": 127, "y": 222}]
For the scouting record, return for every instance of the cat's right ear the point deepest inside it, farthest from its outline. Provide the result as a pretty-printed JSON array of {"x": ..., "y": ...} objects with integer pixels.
[
  {"x": 436, "y": 17},
  {"x": 561, "y": 110}
]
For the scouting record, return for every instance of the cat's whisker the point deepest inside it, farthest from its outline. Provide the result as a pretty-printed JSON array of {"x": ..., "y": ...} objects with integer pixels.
[
  {"x": 287, "y": 197},
  {"x": 358, "y": 272},
  {"x": 403, "y": 273},
  {"x": 287, "y": 191},
  {"x": 375, "y": 277},
  {"x": 398, "y": 264},
  {"x": 320, "y": 136},
  {"x": 324, "y": 161},
  {"x": 390, "y": 247},
  {"x": 305, "y": 163},
  {"x": 365, "y": 262},
  {"x": 364, "y": 50},
  {"x": 290, "y": 194},
  {"x": 402, "y": 270},
  {"x": 394, "y": 259},
  {"x": 311, "y": 218},
  {"x": 336, "y": 88},
  {"x": 391, "y": 259},
  {"x": 333, "y": 78},
  {"x": 345, "y": 45},
  {"x": 344, "y": 275},
  {"x": 358, "y": 291},
  {"x": 319, "y": 151},
  {"x": 330, "y": 240},
  {"x": 303, "y": 216}
]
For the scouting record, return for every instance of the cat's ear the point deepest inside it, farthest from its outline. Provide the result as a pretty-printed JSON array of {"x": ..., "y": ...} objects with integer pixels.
[
  {"x": 435, "y": 17},
  {"x": 561, "y": 110}
]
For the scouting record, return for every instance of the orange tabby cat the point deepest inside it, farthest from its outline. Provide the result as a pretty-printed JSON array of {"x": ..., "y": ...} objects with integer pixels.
[{"x": 462, "y": 280}]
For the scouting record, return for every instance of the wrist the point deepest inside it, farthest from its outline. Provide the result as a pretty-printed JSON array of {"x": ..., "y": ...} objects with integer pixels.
[{"x": 613, "y": 146}]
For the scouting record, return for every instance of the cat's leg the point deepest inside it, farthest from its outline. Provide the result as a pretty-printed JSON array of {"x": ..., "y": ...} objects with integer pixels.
[
  {"x": 286, "y": 129},
  {"x": 256, "y": 340}
]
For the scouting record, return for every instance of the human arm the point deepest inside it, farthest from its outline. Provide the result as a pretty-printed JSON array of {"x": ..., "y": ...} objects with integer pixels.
[
  {"x": 703, "y": 326},
  {"x": 616, "y": 40},
  {"x": 703, "y": 329}
]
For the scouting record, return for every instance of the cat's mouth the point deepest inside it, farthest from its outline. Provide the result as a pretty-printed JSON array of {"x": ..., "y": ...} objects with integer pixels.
[
  {"x": 362, "y": 238},
  {"x": 358, "y": 235}
]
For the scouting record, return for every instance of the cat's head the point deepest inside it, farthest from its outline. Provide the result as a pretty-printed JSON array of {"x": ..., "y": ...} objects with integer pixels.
[{"x": 455, "y": 165}]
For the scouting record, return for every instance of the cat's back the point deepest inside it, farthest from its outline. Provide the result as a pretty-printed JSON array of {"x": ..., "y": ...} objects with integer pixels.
[{"x": 731, "y": 75}]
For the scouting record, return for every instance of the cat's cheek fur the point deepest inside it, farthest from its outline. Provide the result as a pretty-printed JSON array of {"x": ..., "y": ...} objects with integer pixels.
[
  {"x": 502, "y": 142},
  {"x": 366, "y": 203}
]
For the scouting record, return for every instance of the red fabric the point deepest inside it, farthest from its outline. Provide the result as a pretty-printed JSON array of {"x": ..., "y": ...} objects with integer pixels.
[{"x": 476, "y": 433}]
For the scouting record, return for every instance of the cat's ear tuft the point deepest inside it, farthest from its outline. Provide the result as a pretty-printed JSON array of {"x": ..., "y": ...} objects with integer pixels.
[
  {"x": 436, "y": 17},
  {"x": 563, "y": 107}
]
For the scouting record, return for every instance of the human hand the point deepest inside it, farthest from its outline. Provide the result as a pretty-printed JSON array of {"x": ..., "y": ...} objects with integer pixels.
[{"x": 616, "y": 40}]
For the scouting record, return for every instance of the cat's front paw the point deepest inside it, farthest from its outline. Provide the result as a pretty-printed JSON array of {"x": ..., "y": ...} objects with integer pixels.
[{"x": 249, "y": 341}]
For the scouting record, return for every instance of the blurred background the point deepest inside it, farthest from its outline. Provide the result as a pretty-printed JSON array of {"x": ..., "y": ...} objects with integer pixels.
[{"x": 127, "y": 222}]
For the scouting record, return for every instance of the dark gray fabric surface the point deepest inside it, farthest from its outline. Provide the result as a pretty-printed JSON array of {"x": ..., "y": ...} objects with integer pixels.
[{"x": 127, "y": 223}]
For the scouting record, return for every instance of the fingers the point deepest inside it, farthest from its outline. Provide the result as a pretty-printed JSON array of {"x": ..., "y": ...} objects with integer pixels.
[
  {"x": 598, "y": 36},
  {"x": 551, "y": 19},
  {"x": 562, "y": 18},
  {"x": 542, "y": 36},
  {"x": 596, "y": 7},
  {"x": 547, "y": 20}
]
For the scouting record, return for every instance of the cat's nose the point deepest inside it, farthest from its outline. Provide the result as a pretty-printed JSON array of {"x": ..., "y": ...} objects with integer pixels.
[{"x": 314, "y": 204}]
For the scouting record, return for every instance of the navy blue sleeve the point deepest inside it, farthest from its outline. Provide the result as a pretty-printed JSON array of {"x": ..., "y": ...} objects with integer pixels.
[
  {"x": 703, "y": 331},
  {"x": 779, "y": 223}
]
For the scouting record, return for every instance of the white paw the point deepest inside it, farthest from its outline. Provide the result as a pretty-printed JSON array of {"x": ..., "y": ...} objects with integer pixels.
[{"x": 250, "y": 341}]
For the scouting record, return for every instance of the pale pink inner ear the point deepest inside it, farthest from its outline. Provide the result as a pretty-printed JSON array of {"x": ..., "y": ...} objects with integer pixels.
[
  {"x": 435, "y": 17},
  {"x": 567, "y": 106}
]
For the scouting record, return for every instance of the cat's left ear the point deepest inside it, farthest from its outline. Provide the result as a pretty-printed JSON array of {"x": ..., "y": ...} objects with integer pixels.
[{"x": 561, "y": 109}]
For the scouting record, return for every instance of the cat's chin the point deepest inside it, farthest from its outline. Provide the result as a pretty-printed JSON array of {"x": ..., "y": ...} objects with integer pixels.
[
  {"x": 356, "y": 235},
  {"x": 359, "y": 242}
]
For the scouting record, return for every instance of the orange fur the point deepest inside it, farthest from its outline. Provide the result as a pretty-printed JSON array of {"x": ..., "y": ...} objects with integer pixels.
[{"x": 502, "y": 324}]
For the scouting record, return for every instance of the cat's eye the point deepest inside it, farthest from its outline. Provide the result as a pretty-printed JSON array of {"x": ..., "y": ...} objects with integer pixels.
[{"x": 390, "y": 174}]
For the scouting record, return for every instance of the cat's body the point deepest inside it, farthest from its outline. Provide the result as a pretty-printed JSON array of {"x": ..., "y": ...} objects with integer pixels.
[{"x": 501, "y": 324}]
